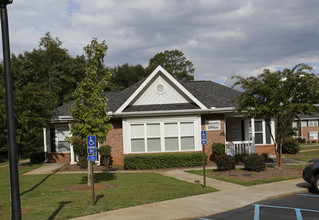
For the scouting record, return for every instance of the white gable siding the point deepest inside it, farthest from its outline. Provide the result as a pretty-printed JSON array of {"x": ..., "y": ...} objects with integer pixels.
[{"x": 169, "y": 95}]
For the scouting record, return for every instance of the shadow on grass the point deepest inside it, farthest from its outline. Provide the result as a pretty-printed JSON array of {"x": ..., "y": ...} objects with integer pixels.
[
  {"x": 35, "y": 186},
  {"x": 54, "y": 214},
  {"x": 98, "y": 197},
  {"x": 99, "y": 177}
]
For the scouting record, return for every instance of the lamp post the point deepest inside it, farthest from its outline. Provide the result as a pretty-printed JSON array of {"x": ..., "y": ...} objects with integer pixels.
[{"x": 14, "y": 177}]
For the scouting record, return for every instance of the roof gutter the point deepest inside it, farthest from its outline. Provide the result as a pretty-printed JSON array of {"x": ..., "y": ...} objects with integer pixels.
[
  {"x": 161, "y": 113},
  {"x": 172, "y": 112}
]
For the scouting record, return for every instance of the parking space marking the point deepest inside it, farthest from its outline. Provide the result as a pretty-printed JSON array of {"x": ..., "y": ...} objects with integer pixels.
[
  {"x": 311, "y": 195},
  {"x": 297, "y": 210}
]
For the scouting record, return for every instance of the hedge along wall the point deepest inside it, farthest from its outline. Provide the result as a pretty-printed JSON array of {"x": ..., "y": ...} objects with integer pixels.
[{"x": 164, "y": 160}]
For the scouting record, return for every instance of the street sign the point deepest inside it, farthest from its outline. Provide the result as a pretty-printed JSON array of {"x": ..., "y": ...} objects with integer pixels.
[
  {"x": 204, "y": 137},
  {"x": 91, "y": 141},
  {"x": 92, "y": 157},
  {"x": 91, "y": 150}
]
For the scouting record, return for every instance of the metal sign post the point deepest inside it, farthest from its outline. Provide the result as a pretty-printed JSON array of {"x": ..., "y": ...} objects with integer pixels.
[
  {"x": 204, "y": 141},
  {"x": 91, "y": 148}
]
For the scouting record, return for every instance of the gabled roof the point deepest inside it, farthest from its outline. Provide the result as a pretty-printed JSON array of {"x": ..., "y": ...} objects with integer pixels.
[{"x": 201, "y": 95}]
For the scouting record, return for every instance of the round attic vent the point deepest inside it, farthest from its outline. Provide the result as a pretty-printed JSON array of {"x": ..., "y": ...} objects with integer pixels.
[{"x": 160, "y": 88}]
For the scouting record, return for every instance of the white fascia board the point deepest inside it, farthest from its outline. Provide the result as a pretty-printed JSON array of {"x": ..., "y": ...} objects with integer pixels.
[
  {"x": 149, "y": 78},
  {"x": 65, "y": 117},
  {"x": 174, "y": 112}
]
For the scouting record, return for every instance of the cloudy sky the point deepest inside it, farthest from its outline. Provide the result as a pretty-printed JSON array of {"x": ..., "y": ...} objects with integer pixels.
[{"x": 221, "y": 38}]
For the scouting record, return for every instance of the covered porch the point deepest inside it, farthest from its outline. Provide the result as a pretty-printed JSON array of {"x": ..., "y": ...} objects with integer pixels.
[{"x": 245, "y": 134}]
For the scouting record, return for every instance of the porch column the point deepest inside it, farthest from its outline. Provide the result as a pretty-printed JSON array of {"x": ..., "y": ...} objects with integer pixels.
[
  {"x": 72, "y": 157},
  {"x": 252, "y": 122},
  {"x": 45, "y": 140}
]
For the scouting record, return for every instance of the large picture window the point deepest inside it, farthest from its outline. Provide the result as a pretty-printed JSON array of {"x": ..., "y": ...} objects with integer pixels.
[{"x": 161, "y": 135}]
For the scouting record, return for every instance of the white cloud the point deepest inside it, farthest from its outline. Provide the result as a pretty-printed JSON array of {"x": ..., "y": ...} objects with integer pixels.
[{"x": 221, "y": 38}]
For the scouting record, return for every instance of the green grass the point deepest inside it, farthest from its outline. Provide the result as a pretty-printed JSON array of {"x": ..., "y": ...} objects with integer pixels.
[
  {"x": 304, "y": 156},
  {"x": 215, "y": 175},
  {"x": 44, "y": 197}
]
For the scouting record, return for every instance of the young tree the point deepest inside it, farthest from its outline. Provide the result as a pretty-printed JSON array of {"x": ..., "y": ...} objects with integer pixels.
[
  {"x": 90, "y": 108},
  {"x": 175, "y": 63},
  {"x": 280, "y": 95}
]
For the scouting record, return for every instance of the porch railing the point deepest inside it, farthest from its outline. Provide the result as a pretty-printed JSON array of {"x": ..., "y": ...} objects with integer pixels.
[{"x": 241, "y": 147}]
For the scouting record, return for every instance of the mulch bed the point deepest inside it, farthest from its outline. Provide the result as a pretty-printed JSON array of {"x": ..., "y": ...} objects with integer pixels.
[{"x": 244, "y": 175}]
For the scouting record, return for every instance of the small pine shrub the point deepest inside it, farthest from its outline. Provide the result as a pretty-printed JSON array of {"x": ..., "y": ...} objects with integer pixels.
[
  {"x": 267, "y": 158},
  {"x": 254, "y": 162},
  {"x": 217, "y": 149},
  {"x": 239, "y": 157},
  {"x": 83, "y": 162},
  {"x": 225, "y": 162},
  {"x": 37, "y": 157},
  {"x": 290, "y": 146}
]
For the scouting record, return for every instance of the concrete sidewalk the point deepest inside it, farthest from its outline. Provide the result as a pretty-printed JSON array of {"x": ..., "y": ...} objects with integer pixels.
[{"x": 47, "y": 168}]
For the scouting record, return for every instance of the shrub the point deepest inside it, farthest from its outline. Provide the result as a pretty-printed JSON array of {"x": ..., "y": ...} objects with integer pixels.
[
  {"x": 313, "y": 141},
  {"x": 217, "y": 149},
  {"x": 267, "y": 158},
  {"x": 105, "y": 152},
  {"x": 83, "y": 162},
  {"x": 254, "y": 162},
  {"x": 290, "y": 146},
  {"x": 37, "y": 157},
  {"x": 239, "y": 157},
  {"x": 163, "y": 160},
  {"x": 80, "y": 150},
  {"x": 225, "y": 162}
]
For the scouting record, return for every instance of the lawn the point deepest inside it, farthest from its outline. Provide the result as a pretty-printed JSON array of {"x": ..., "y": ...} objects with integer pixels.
[
  {"x": 44, "y": 197},
  {"x": 304, "y": 156}
]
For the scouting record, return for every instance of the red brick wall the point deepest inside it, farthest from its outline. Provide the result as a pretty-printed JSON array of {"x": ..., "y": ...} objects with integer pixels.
[
  {"x": 213, "y": 136},
  {"x": 306, "y": 130},
  {"x": 114, "y": 138},
  {"x": 58, "y": 157},
  {"x": 269, "y": 149}
]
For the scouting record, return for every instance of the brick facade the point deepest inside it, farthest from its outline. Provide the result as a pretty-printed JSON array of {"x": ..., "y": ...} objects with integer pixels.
[
  {"x": 306, "y": 130},
  {"x": 58, "y": 157},
  {"x": 114, "y": 138},
  {"x": 213, "y": 136},
  {"x": 268, "y": 149}
]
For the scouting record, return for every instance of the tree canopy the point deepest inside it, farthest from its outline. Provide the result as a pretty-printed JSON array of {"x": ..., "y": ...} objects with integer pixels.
[
  {"x": 90, "y": 108},
  {"x": 175, "y": 62},
  {"x": 280, "y": 95}
]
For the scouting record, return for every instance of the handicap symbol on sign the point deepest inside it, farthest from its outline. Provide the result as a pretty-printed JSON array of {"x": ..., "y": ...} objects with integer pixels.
[
  {"x": 91, "y": 141},
  {"x": 203, "y": 134}
]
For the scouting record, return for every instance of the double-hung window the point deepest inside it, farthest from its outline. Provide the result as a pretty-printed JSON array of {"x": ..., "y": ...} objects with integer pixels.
[
  {"x": 312, "y": 123},
  {"x": 63, "y": 145},
  {"x": 262, "y": 132},
  {"x": 313, "y": 135}
]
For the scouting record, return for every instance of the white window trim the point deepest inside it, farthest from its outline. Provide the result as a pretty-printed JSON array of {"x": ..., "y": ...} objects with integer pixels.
[
  {"x": 57, "y": 140},
  {"x": 272, "y": 125},
  {"x": 313, "y": 134},
  {"x": 312, "y": 123},
  {"x": 196, "y": 119}
]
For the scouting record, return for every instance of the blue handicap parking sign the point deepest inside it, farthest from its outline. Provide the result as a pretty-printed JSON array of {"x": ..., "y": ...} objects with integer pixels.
[
  {"x": 92, "y": 157},
  {"x": 204, "y": 137},
  {"x": 91, "y": 141}
]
